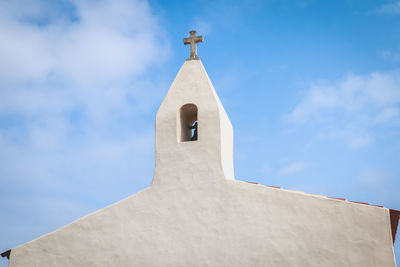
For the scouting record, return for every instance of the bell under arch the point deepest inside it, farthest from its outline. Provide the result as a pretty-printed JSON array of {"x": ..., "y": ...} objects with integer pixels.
[{"x": 187, "y": 125}]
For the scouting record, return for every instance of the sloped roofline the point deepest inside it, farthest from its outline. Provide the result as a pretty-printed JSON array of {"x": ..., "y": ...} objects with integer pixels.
[{"x": 394, "y": 214}]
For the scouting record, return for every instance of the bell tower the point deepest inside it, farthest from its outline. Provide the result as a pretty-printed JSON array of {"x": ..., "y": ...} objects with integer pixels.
[{"x": 194, "y": 136}]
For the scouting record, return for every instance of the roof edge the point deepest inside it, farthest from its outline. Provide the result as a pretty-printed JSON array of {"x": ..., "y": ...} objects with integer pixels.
[
  {"x": 394, "y": 222},
  {"x": 6, "y": 254}
]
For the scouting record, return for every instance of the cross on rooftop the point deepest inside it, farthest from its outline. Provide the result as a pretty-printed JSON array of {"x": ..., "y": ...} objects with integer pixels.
[{"x": 193, "y": 40}]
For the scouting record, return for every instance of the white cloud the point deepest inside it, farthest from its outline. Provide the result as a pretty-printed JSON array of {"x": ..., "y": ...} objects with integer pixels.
[
  {"x": 389, "y": 8},
  {"x": 107, "y": 40},
  {"x": 73, "y": 95},
  {"x": 292, "y": 168},
  {"x": 88, "y": 59},
  {"x": 352, "y": 107},
  {"x": 88, "y": 62}
]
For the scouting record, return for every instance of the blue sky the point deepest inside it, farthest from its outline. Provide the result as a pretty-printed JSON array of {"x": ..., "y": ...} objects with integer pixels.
[{"x": 312, "y": 89}]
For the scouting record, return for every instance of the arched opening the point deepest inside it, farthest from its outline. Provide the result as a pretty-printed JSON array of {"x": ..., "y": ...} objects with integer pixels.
[{"x": 188, "y": 124}]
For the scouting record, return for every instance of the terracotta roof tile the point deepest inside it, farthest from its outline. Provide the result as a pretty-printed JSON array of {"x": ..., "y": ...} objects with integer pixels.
[{"x": 338, "y": 198}]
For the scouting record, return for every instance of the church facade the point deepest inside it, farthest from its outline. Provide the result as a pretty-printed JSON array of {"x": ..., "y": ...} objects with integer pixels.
[{"x": 196, "y": 214}]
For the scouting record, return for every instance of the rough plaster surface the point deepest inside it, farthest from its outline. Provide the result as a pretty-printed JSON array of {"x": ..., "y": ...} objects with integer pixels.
[{"x": 196, "y": 214}]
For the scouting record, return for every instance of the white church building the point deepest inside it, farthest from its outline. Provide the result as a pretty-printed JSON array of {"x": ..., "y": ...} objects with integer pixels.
[{"x": 196, "y": 214}]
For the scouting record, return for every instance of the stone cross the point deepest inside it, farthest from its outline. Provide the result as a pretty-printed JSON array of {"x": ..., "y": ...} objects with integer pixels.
[{"x": 193, "y": 40}]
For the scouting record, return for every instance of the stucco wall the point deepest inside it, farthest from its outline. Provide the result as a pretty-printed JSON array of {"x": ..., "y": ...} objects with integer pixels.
[
  {"x": 196, "y": 214},
  {"x": 226, "y": 223}
]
